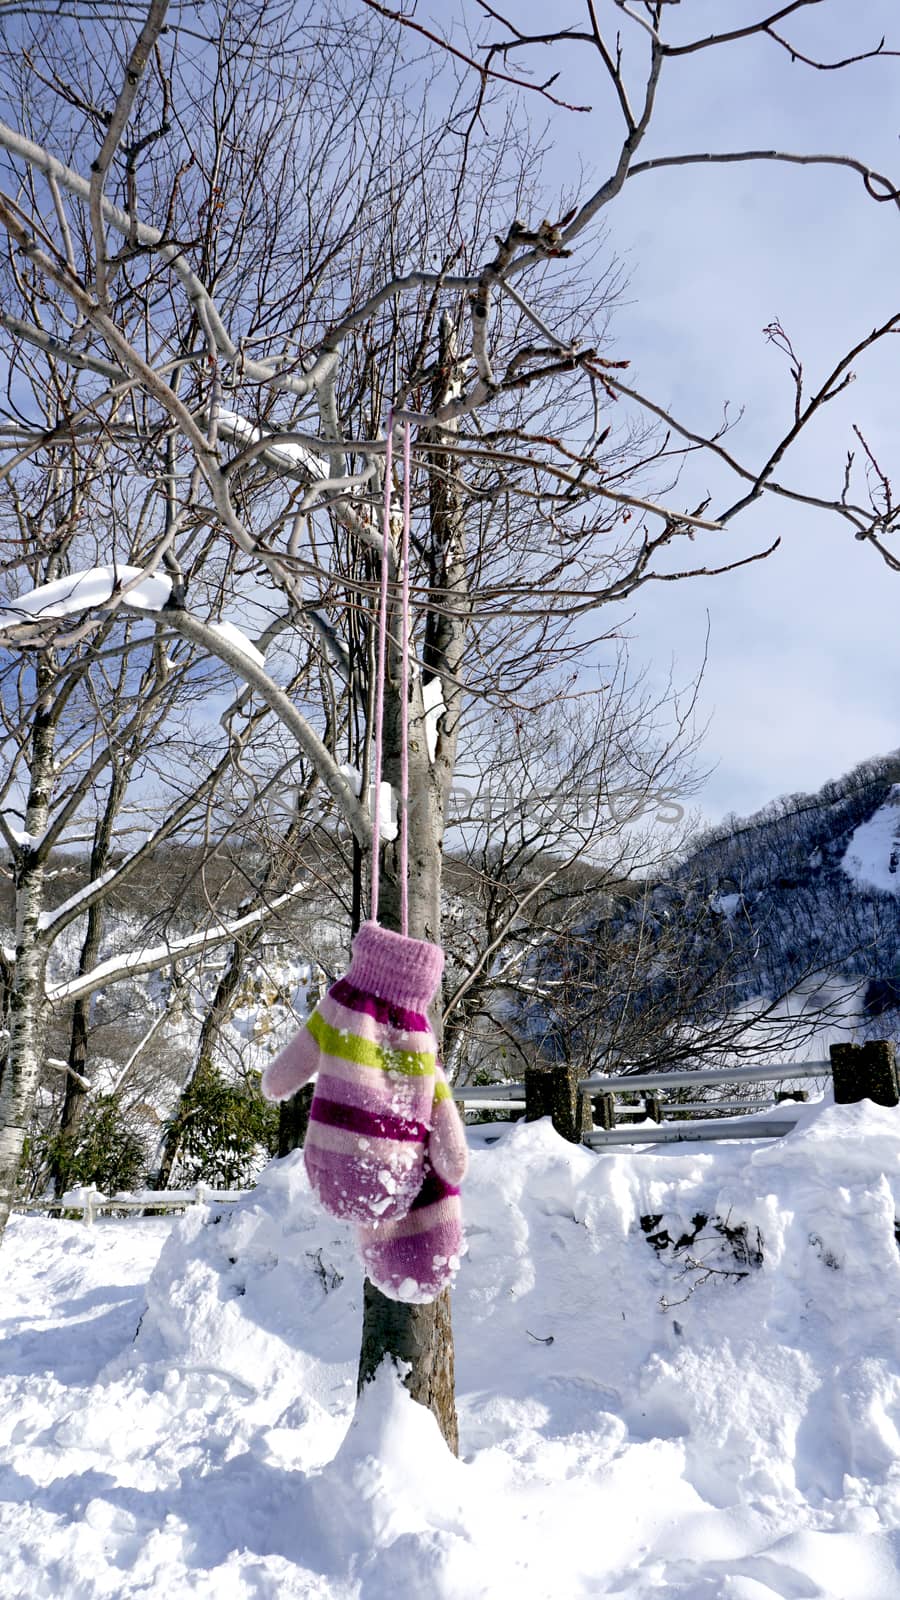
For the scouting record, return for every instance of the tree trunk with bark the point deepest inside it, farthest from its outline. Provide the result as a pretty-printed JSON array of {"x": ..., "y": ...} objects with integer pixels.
[
  {"x": 22, "y": 1065},
  {"x": 419, "y": 1338},
  {"x": 76, "y": 1093}
]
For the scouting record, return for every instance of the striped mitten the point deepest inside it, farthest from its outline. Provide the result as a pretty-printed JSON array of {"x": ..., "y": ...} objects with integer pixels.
[
  {"x": 417, "y": 1257},
  {"x": 371, "y": 1042}
]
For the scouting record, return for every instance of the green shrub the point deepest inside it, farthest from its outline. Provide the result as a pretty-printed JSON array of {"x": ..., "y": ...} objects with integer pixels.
[
  {"x": 107, "y": 1150},
  {"x": 224, "y": 1129}
]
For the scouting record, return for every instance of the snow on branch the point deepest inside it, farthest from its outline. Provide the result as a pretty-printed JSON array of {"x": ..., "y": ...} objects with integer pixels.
[
  {"x": 137, "y": 590},
  {"x": 48, "y": 920},
  {"x": 84, "y": 591},
  {"x": 235, "y": 636},
  {"x": 135, "y": 962},
  {"x": 237, "y": 657},
  {"x": 59, "y": 1065},
  {"x": 288, "y": 453}
]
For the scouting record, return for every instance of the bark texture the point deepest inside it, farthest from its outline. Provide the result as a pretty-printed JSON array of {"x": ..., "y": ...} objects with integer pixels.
[
  {"x": 419, "y": 1339},
  {"x": 22, "y": 1066},
  {"x": 73, "y": 1104}
]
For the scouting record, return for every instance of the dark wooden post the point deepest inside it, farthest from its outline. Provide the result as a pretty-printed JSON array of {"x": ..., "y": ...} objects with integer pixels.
[
  {"x": 293, "y": 1116},
  {"x": 553, "y": 1092},
  {"x": 865, "y": 1072},
  {"x": 653, "y": 1107},
  {"x": 604, "y": 1106}
]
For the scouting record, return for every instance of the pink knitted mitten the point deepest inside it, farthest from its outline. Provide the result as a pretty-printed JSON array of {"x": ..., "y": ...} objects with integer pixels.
[{"x": 371, "y": 1043}]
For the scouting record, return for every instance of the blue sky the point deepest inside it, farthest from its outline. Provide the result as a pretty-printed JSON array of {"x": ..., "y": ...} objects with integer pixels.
[{"x": 804, "y": 650}]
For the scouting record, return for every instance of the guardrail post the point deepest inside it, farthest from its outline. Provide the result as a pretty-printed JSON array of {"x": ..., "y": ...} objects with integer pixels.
[
  {"x": 865, "y": 1072},
  {"x": 604, "y": 1107},
  {"x": 652, "y": 1107},
  {"x": 553, "y": 1092}
]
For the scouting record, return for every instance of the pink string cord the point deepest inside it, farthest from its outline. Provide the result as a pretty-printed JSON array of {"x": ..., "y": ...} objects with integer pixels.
[
  {"x": 404, "y": 693},
  {"x": 379, "y": 678},
  {"x": 404, "y": 678}
]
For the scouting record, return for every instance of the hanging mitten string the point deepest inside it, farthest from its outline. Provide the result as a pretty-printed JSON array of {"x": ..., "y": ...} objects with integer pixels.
[
  {"x": 381, "y": 658},
  {"x": 381, "y": 649},
  {"x": 404, "y": 691},
  {"x": 385, "y": 1147}
]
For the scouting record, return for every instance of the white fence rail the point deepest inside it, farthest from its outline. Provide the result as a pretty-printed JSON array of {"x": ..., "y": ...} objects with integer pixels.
[{"x": 90, "y": 1201}]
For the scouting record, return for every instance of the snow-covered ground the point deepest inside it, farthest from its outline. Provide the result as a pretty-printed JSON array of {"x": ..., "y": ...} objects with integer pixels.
[{"x": 637, "y": 1420}]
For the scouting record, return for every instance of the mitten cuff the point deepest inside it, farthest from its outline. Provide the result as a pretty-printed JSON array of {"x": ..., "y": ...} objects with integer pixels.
[{"x": 394, "y": 968}]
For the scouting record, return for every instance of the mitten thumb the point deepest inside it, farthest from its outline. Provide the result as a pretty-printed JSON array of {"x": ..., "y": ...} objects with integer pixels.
[
  {"x": 447, "y": 1149},
  {"x": 292, "y": 1067}
]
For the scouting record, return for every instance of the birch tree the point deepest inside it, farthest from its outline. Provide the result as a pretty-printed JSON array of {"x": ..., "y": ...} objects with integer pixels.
[
  {"x": 96, "y": 754},
  {"x": 250, "y": 233}
]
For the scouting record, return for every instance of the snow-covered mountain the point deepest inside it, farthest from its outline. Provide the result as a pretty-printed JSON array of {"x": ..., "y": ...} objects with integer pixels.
[
  {"x": 815, "y": 877},
  {"x": 790, "y": 910}
]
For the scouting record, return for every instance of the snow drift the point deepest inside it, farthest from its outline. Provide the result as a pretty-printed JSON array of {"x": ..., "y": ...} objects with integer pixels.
[{"x": 678, "y": 1375}]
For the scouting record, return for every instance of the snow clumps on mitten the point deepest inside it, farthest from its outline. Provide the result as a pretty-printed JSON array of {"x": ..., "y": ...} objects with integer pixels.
[{"x": 417, "y": 1257}]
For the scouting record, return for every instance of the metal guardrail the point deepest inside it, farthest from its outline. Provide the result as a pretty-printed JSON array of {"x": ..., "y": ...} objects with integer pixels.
[
  {"x": 740, "y": 1120},
  {"x": 470, "y": 1092},
  {"x": 859, "y": 1071},
  {"x": 490, "y": 1104},
  {"x": 705, "y": 1075},
  {"x": 703, "y": 1107},
  {"x": 681, "y": 1132}
]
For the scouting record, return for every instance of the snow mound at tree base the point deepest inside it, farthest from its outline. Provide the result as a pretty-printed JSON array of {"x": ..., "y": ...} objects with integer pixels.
[{"x": 678, "y": 1376}]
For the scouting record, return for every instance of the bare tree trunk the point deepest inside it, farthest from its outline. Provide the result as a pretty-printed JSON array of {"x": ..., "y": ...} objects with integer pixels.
[
  {"x": 22, "y": 1066},
  {"x": 293, "y": 1120},
  {"x": 73, "y": 1104},
  {"x": 421, "y": 1336}
]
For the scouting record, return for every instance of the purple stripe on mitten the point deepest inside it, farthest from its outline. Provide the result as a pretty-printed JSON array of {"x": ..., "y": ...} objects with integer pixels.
[
  {"x": 383, "y": 1011},
  {"x": 415, "y": 1259},
  {"x": 376, "y": 1124}
]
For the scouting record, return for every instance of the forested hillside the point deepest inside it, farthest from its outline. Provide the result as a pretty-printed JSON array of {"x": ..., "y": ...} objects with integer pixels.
[{"x": 769, "y": 931}]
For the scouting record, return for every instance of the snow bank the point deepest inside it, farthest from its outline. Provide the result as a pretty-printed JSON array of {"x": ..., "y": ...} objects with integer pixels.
[{"x": 678, "y": 1376}]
